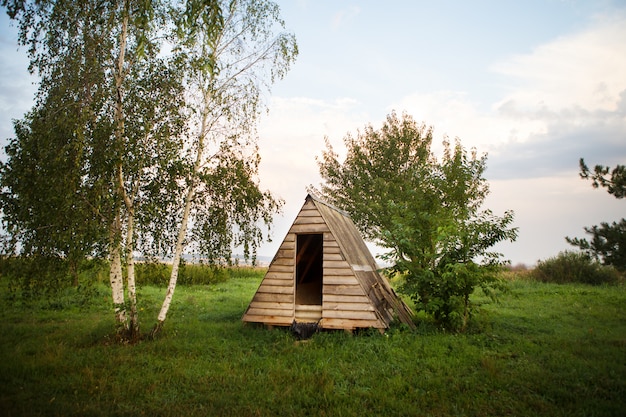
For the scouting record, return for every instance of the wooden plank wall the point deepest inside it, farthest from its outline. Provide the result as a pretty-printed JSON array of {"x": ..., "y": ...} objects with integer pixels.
[
  {"x": 273, "y": 302},
  {"x": 345, "y": 304}
]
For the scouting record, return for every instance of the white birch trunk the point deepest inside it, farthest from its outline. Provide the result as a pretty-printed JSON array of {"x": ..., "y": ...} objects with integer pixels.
[
  {"x": 130, "y": 272},
  {"x": 116, "y": 280},
  {"x": 115, "y": 276},
  {"x": 182, "y": 231}
]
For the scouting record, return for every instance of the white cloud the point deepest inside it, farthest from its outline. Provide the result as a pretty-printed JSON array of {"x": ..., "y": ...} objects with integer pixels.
[
  {"x": 564, "y": 88},
  {"x": 454, "y": 114},
  {"x": 584, "y": 70}
]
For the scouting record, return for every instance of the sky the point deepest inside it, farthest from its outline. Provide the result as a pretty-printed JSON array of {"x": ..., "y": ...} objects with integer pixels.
[{"x": 536, "y": 85}]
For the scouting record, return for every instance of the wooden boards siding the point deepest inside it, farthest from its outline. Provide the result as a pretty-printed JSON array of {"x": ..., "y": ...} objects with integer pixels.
[
  {"x": 274, "y": 300},
  {"x": 344, "y": 303},
  {"x": 354, "y": 295}
]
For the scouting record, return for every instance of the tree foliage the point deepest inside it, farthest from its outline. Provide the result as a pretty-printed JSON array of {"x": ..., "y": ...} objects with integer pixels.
[
  {"x": 145, "y": 115},
  {"x": 615, "y": 184},
  {"x": 229, "y": 68},
  {"x": 54, "y": 181},
  {"x": 608, "y": 241},
  {"x": 426, "y": 211},
  {"x": 108, "y": 97}
]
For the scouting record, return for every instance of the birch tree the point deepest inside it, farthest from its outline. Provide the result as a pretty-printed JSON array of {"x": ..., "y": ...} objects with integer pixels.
[
  {"x": 159, "y": 102},
  {"x": 231, "y": 67},
  {"x": 53, "y": 207},
  {"x": 99, "y": 65},
  {"x": 148, "y": 120}
]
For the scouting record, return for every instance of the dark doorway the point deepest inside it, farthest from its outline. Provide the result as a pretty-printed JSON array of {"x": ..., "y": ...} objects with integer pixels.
[{"x": 309, "y": 269}]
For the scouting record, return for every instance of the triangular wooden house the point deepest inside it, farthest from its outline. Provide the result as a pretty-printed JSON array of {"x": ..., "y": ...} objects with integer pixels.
[{"x": 323, "y": 272}]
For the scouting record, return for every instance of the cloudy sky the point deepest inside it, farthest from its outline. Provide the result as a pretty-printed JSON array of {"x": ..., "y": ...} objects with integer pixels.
[{"x": 535, "y": 84}]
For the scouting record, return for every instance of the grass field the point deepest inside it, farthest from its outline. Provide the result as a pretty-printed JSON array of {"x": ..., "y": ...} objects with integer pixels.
[{"x": 544, "y": 350}]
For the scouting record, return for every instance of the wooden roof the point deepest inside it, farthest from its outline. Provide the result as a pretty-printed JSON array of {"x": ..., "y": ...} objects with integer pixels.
[
  {"x": 354, "y": 293},
  {"x": 361, "y": 260}
]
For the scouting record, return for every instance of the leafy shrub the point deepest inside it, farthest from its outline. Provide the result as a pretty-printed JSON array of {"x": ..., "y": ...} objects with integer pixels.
[
  {"x": 578, "y": 267},
  {"x": 49, "y": 282},
  {"x": 152, "y": 273},
  {"x": 444, "y": 293},
  {"x": 247, "y": 272}
]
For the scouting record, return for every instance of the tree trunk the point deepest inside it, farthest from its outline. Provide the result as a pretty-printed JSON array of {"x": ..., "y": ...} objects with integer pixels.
[
  {"x": 73, "y": 271},
  {"x": 130, "y": 278},
  {"x": 182, "y": 232},
  {"x": 466, "y": 312},
  {"x": 116, "y": 279}
]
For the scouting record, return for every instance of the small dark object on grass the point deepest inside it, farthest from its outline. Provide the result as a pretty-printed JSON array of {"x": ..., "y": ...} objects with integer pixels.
[{"x": 303, "y": 330}]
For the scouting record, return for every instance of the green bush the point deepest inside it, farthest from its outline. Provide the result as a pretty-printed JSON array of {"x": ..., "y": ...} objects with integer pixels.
[
  {"x": 50, "y": 282},
  {"x": 575, "y": 267}
]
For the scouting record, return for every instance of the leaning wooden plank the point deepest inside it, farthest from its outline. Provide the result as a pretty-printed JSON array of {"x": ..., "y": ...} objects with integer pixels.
[{"x": 404, "y": 312}]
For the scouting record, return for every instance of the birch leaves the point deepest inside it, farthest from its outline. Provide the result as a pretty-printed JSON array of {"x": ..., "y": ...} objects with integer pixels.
[{"x": 161, "y": 101}]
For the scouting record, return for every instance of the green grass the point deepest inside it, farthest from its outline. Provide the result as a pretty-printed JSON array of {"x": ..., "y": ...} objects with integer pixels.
[{"x": 544, "y": 350}]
